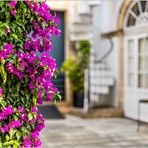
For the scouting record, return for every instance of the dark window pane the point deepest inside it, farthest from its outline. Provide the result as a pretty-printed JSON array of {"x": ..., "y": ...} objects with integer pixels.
[
  {"x": 131, "y": 20},
  {"x": 135, "y": 9},
  {"x": 143, "y": 3}
]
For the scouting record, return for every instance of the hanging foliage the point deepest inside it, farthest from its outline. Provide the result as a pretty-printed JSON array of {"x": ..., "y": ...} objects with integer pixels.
[{"x": 26, "y": 28}]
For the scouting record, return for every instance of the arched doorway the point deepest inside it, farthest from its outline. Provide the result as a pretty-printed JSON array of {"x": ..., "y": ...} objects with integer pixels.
[{"x": 135, "y": 56}]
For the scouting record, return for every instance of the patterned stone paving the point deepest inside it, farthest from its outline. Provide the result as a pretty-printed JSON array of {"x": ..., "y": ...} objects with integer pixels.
[{"x": 74, "y": 132}]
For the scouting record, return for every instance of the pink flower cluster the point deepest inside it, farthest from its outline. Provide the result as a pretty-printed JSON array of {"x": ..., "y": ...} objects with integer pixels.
[
  {"x": 34, "y": 140},
  {"x": 24, "y": 67},
  {"x": 6, "y": 127},
  {"x": 43, "y": 11},
  {"x": 38, "y": 41},
  {"x": 31, "y": 141},
  {"x": 12, "y": 4},
  {"x": 13, "y": 70},
  {"x": 28, "y": 142},
  {"x": 6, "y": 51},
  {"x": 6, "y": 112},
  {"x": 1, "y": 91},
  {"x": 42, "y": 80}
]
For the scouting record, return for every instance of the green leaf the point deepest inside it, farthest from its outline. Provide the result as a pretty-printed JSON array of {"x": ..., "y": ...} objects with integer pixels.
[
  {"x": 1, "y": 98},
  {"x": 5, "y": 25},
  {"x": 34, "y": 115},
  {"x": 2, "y": 71},
  {"x": 34, "y": 99},
  {"x": 3, "y": 103},
  {"x": 1, "y": 145},
  {"x": 18, "y": 87},
  {"x": 24, "y": 130},
  {"x": 7, "y": 138},
  {"x": 1, "y": 3},
  {"x": 59, "y": 96},
  {"x": 15, "y": 117},
  {"x": 16, "y": 144},
  {"x": 15, "y": 36},
  {"x": 8, "y": 143},
  {"x": 7, "y": 13},
  {"x": 12, "y": 132},
  {"x": 25, "y": 10},
  {"x": 18, "y": 134},
  {"x": 54, "y": 100},
  {"x": 30, "y": 116}
]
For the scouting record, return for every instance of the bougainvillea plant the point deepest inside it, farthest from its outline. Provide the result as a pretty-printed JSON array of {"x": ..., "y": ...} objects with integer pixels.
[{"x": 26, "y": 28}]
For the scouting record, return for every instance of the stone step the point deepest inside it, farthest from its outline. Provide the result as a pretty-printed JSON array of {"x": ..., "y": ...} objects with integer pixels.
[
  {"x": 103, "y": 70},
  {"x": 97, "y": 65},
  {"x": 101, "y": 73},
  {"x": 99, "y": 90},
  {"x": 100, "y": 112},
  {"x": 102, "y": 82}
]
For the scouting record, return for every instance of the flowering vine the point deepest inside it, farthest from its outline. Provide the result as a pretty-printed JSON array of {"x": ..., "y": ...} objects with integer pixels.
[{"x": 26, "y": 28}]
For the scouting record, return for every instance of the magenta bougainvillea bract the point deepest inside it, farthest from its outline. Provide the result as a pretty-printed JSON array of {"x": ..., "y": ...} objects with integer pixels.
[{"x": 26, "y": 70}]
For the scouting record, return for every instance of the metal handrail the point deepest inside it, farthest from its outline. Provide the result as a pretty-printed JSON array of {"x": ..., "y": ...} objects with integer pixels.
[
  {"x": 107, "y": 53},
  {"x": 87, "y": 76}
]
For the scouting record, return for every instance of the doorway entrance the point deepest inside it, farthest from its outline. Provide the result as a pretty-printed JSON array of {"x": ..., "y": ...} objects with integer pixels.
[
  {"x": 58, "y": 54},
  {"x": 136, "y": 58}
]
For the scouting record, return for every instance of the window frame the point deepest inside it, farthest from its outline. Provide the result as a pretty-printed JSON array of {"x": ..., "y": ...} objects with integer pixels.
[
  {"x": 136, "y": 70},
  {"x": 131, "y": 12}
]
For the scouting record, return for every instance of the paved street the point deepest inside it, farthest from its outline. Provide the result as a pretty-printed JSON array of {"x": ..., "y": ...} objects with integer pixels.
[{"x": 74, "y": 132}]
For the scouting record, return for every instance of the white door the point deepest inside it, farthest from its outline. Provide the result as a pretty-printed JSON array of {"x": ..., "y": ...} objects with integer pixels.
[
  {"x": 136, "y": 58},
  {"x": 136, "y": 75}
]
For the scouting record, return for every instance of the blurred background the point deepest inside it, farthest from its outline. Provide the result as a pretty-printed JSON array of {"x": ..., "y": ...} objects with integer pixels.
[{"x": 102, "y": 56}]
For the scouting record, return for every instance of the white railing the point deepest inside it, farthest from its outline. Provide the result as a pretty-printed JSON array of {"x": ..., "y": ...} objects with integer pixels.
[{"x": 98, "y": 73}]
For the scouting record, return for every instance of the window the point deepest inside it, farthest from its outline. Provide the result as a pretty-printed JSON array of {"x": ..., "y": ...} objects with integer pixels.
[
  {"x": 131, "y": 63},
  {"x": 131, "y": 21},
  {"x": 143, "y": 62},
  {"x": 137, "y": 13},
  {"x": 137, "y": 62},
  {"x": 136, "y": 24}
]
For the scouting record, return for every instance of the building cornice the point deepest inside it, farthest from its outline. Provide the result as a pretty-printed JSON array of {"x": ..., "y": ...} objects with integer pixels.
[{"x": 112, "y": 33}]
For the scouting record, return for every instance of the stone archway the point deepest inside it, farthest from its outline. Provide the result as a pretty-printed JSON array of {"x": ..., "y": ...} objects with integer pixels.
[
  {"x": 120, "y": 24},
  {"x": 122, "y": 13}
]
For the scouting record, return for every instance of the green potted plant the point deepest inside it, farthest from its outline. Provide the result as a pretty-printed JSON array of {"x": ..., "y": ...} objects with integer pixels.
[{"x": 75, "y": 70}]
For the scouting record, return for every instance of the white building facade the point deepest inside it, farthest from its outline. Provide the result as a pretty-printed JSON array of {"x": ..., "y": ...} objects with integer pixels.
[
  {"x": 118, "y": 72},
  {"x": 133, "y": 80}
]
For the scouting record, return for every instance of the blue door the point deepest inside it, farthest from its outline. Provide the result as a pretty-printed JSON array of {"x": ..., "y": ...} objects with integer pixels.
[{"x": 58, "y": 54}]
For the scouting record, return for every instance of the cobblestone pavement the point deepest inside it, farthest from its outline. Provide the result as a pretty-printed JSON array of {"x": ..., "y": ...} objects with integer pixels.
[{"x": 74, "y": 132}]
